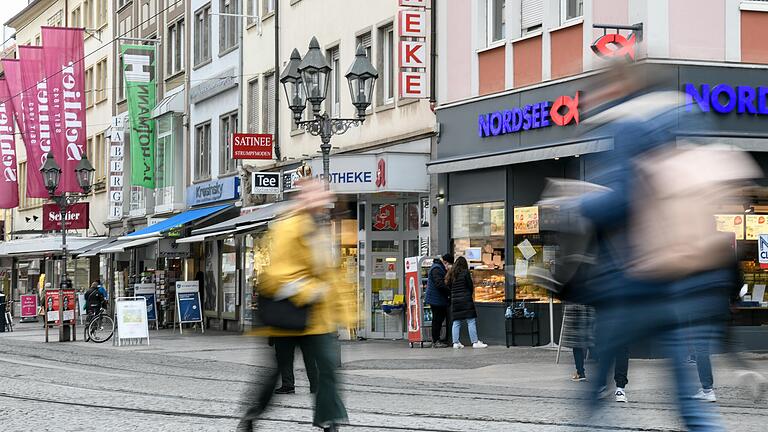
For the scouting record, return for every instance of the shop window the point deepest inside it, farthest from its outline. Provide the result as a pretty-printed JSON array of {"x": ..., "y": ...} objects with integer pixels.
[
  {"x": 256, "y": 261},
  {"x": 385, "y": 217},
  {"x": 229, "y": 275},
  {"x": 478, "y": 234},
  {"x": 532, "y": 248},
  {"x": 412, "y": 216},
  {"x": 384, "y": 246}
]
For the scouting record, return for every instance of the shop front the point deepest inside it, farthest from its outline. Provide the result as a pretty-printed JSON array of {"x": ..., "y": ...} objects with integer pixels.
[{"x": 497, "y": 152}]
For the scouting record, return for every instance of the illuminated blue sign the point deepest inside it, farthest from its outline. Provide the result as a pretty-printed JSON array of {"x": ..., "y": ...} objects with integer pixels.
[
  {"x": 563, "y": 111},
  {"x": 724, "y": 98}
]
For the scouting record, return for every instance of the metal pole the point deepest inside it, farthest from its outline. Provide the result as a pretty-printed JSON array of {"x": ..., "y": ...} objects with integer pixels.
[{"x": 63, "y": 213}]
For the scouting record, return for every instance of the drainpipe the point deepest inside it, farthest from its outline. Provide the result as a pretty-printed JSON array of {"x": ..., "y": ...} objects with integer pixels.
[
  {"x": 276, "y": 141},
  {"x": 433, "y": 55}
]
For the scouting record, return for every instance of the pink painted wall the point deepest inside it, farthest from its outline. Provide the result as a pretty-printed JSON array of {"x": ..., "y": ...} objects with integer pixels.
[
  {"x": 697, "y": 29},
  {"x": 459, "y": 53},
  {"x": 609, "y": 12}
]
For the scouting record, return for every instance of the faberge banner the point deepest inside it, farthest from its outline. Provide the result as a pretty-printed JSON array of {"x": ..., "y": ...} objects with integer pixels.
[
  {"x": 139, "y": 72},
  {"x": 37, "y": 119},
  {"x": 65, "y": 75},
  {"x": 9, "y": 185}
]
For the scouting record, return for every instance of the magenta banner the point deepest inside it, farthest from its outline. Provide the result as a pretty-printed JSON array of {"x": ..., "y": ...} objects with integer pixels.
[
  {"x": 37, "y": 118},
  {"x": 63, "y": 61},
  {"x": 9, "y": 183},
  {"x": 12, "y": 69}
]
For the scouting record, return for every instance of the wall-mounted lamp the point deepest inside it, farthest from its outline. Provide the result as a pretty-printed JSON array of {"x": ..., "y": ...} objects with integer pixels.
[
  {"x": 748, "y": 208},
  {"x": 439, "y": 196}
]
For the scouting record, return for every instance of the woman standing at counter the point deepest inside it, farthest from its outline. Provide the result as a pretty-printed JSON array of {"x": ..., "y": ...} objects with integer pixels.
[{"x": 462, "y": 289}]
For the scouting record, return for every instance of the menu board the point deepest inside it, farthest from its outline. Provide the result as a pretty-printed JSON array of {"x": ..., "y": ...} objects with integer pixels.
[
  {"x": 756, "y": 224},
  {"x": 731, "y": 223},
  {"x": 526, "y": 220}
]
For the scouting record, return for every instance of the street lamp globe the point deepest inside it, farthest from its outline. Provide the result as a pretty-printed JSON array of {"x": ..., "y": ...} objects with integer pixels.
[
  {"x": 315, "y": 75},
  {"x": 294, "y": 87},
  {"x": 84, "y": 172},
  {"x": 51, "y": 173},
  {"x": 362, "y": 79}
]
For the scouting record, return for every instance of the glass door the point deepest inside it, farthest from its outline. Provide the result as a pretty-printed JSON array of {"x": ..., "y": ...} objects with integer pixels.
[{"x": 386, "y": 293}]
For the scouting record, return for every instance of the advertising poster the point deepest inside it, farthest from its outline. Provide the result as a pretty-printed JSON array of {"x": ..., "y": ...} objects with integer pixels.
[
  {"x": 139, "y": 73},
  {"x": 148, "y": 292},
  {"x": 756, "y": 224},
  {"x": 731, "y": 223},
  {"x": 28, "y": 306},
  {"x": 526, "y": 220},
  {"x": 132, "y": 319},
  {"x": 188, "y": 301},
  {"x": 52, "y": 306},
  {"x": 413, "y": 288},
  {"x": 762, "y": 250}
]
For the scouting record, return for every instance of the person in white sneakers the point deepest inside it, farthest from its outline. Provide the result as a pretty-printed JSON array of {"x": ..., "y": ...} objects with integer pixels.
[{"x": 459, "y": 280}]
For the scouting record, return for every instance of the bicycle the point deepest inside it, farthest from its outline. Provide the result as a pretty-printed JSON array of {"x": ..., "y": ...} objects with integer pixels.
[{"x": 100, "y": 327}]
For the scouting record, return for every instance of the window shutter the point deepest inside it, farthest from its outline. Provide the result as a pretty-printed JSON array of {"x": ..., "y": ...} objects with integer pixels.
[
  {"x": 253, "y": 106},
  {"x": 269, "y": 103},
  {"x": 532, "y": 14}
]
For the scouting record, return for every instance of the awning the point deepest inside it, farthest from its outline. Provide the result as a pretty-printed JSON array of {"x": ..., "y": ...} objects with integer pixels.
[
  {"x": 202, "y": 237},
  {"x": 123, "y": 245},
  {"x": 172, "y": 103},
  {"x": 94, "y": 249},
  {"x": 467, "y": 163},
  {"x": 261, "y": 214},
  {"x": 176, "y": 221},
  {"x": 43, "y": 245}
]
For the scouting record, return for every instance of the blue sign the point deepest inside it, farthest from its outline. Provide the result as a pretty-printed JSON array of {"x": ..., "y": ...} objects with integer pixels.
[
  {"x": 351, "y": 177},
  {"x": 724, "y": 98},
  {"x": 224, "y": 189},
  {"x": 189, "y": 307},
  {"x": 563, "y": 111},
  {"x": 151, "y": 309}
]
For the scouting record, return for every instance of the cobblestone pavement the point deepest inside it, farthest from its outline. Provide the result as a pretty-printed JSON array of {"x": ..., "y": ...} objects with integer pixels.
[{"x": 194, "y": 382}]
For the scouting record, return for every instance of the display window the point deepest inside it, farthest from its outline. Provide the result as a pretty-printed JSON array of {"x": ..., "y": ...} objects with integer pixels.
[
  {"x": 256, "y": 261},
  {"x": 478, "y": 234},
  {"x": 532, "y": 248}
]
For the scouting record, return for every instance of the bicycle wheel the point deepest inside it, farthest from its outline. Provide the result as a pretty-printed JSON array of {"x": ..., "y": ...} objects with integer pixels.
[{"x": 101, "y": 329}]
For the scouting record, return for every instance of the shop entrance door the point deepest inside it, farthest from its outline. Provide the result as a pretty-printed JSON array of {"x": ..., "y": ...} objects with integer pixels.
[{"x": 386, "y": 275}]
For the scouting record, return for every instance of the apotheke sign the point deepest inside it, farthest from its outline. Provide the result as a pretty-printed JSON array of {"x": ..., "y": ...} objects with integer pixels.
[
  {"x": 76, "y": 217},
  {"x": 213, "y": 191}
]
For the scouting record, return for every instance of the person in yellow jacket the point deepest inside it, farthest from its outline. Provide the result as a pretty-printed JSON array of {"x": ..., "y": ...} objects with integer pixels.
[{"x": 302, "y": 270}]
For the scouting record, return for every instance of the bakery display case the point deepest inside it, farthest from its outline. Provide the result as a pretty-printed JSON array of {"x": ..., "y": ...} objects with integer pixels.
[{"x": 489, "y": 285}]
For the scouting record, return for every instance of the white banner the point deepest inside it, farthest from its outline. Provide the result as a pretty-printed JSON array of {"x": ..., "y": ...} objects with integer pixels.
[{"x": 132, "y": 319}]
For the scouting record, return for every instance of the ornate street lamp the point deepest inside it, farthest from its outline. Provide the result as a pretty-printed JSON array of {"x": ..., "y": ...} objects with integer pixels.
[
  {"x": 51, "y": 177},
  {"x": 312, "y": 75}
]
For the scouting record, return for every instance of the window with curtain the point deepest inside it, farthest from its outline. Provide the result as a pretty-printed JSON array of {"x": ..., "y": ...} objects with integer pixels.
[
  {"x": 175, "y": 47},
  {"x": 571, "y": 9},
  {"x": 386, "y": 62},
  {"x": 203, "y": 34},
  {"x": 227, "y": 126},
  {"x": 333, "y": 97},
  {"x": 495, "y": 20},
  {"x": 228, "y": 25},
  {"x": 203, "y": 151},
  {"x": 101, "y": 81}
]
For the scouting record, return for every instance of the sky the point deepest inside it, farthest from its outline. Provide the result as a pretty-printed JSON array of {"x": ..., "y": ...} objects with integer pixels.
[{"x": 9, "y": 9}]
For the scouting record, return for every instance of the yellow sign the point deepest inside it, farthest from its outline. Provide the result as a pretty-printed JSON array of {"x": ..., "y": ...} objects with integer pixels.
[
  {"x": 731, "y": 223},
  {"x": 526, "y": 220},
  {"x": 756, "y": 225}
]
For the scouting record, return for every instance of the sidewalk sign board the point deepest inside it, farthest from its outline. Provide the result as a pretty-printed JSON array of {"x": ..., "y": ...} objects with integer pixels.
[
  {"x": 188, "y": 304},
  {"x": 131, "y": 323},
  {"x": 148, "y": 292},
  {"x": 29, "y": 307},
  {"x": 415, "y": 311}
]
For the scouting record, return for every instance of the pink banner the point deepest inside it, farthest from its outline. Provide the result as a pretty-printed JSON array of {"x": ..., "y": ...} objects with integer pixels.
[
  {"x": 37, "y": 118},
  {"x": 63, "y": 60},
  {"x": 12, "y": 69},
  {"x": 9, "y": 184}
]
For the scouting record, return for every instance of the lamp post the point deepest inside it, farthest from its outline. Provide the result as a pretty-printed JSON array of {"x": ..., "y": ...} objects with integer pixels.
[
  {"x": 308, "y": 80},
  {"x": 51, "y": 178}
]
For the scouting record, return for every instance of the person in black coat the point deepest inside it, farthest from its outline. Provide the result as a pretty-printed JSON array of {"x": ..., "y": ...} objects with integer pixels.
[
  {"x": 459, "y": 280},
  {"x": 438, "y": 298}
]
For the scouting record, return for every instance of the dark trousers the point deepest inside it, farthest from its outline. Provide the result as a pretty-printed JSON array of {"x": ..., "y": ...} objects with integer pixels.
[
  {"x": 285, "y": 348},
  {"x": 579, "y": 355},
  {"x": 329, "y": 409},
  {"x": 440, "y": 317}
]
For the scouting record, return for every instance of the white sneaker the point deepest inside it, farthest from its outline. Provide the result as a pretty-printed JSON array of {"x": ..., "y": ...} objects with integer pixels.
[
  {"x": 620, "y": 395},
  {"x": 705, "y": 396},
  {"x": 479, "y": 344},
  {"x": 458, "y": 345}
]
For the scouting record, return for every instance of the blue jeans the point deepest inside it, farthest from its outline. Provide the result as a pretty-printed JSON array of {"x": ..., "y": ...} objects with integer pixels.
[
  {"x": 472, "y": 327},
  {"x": 579, "y": 354}
]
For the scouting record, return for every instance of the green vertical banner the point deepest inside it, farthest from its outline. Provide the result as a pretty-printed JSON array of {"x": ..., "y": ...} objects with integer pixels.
[{"x": 139, "y": 72}]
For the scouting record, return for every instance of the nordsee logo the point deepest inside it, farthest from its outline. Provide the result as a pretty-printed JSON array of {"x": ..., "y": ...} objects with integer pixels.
[
  {"x": 534, "y": 116},
  {"x": 724, "y": 98}
]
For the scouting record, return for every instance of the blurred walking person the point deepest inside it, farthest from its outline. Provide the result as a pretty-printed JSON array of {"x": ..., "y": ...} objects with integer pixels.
[
  {"x": 303, "y": 299},
  {"x": 459, "y": 280},
  {"x": 285, "y": 350},
  {"x": 578, "y": 334},
  {"x": 438, "y": 298}
]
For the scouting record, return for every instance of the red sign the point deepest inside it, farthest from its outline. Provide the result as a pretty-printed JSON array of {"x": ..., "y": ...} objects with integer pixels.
[
  {"x": 76, "y": 217},
  {"x": 413, "y": 85},
  {"x": 413, "y": 23},
  {"x": 52, "y": 306},
  {"x": 615, "y": 45},
  {"x": 252, "y": 146},
  {"x": 28, "y": 306},
  {"x": 413, "y": 3},
  {"x": 386, "y": 218},
  {"x": 413, "y": 54},
  {"x": 412, "y": 287},
  {"x": 571, "y": 105}
]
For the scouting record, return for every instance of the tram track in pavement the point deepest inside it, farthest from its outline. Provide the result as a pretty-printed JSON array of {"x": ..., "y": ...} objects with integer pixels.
[
  {"x": 170, "y": 413},
  {"x": 445, "y": 393}
]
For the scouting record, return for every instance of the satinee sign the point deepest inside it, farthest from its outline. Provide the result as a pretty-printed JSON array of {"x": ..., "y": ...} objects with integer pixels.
[
  {"x": 725, "y": 99},
  {"x": 563, "y": 111}
]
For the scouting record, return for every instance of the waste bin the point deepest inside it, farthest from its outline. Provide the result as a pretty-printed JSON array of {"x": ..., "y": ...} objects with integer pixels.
[{"x": 2, "y": 313}]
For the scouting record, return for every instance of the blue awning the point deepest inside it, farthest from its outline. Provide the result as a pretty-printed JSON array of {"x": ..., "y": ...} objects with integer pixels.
[{"x": 179, "y": 220}]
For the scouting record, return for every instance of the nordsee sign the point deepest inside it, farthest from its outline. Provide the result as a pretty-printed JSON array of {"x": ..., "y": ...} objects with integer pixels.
[
  {"x": 724, "y": 98},
  {"x": 563, "y": 111},
  {"x": 213, "y": 191}
]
